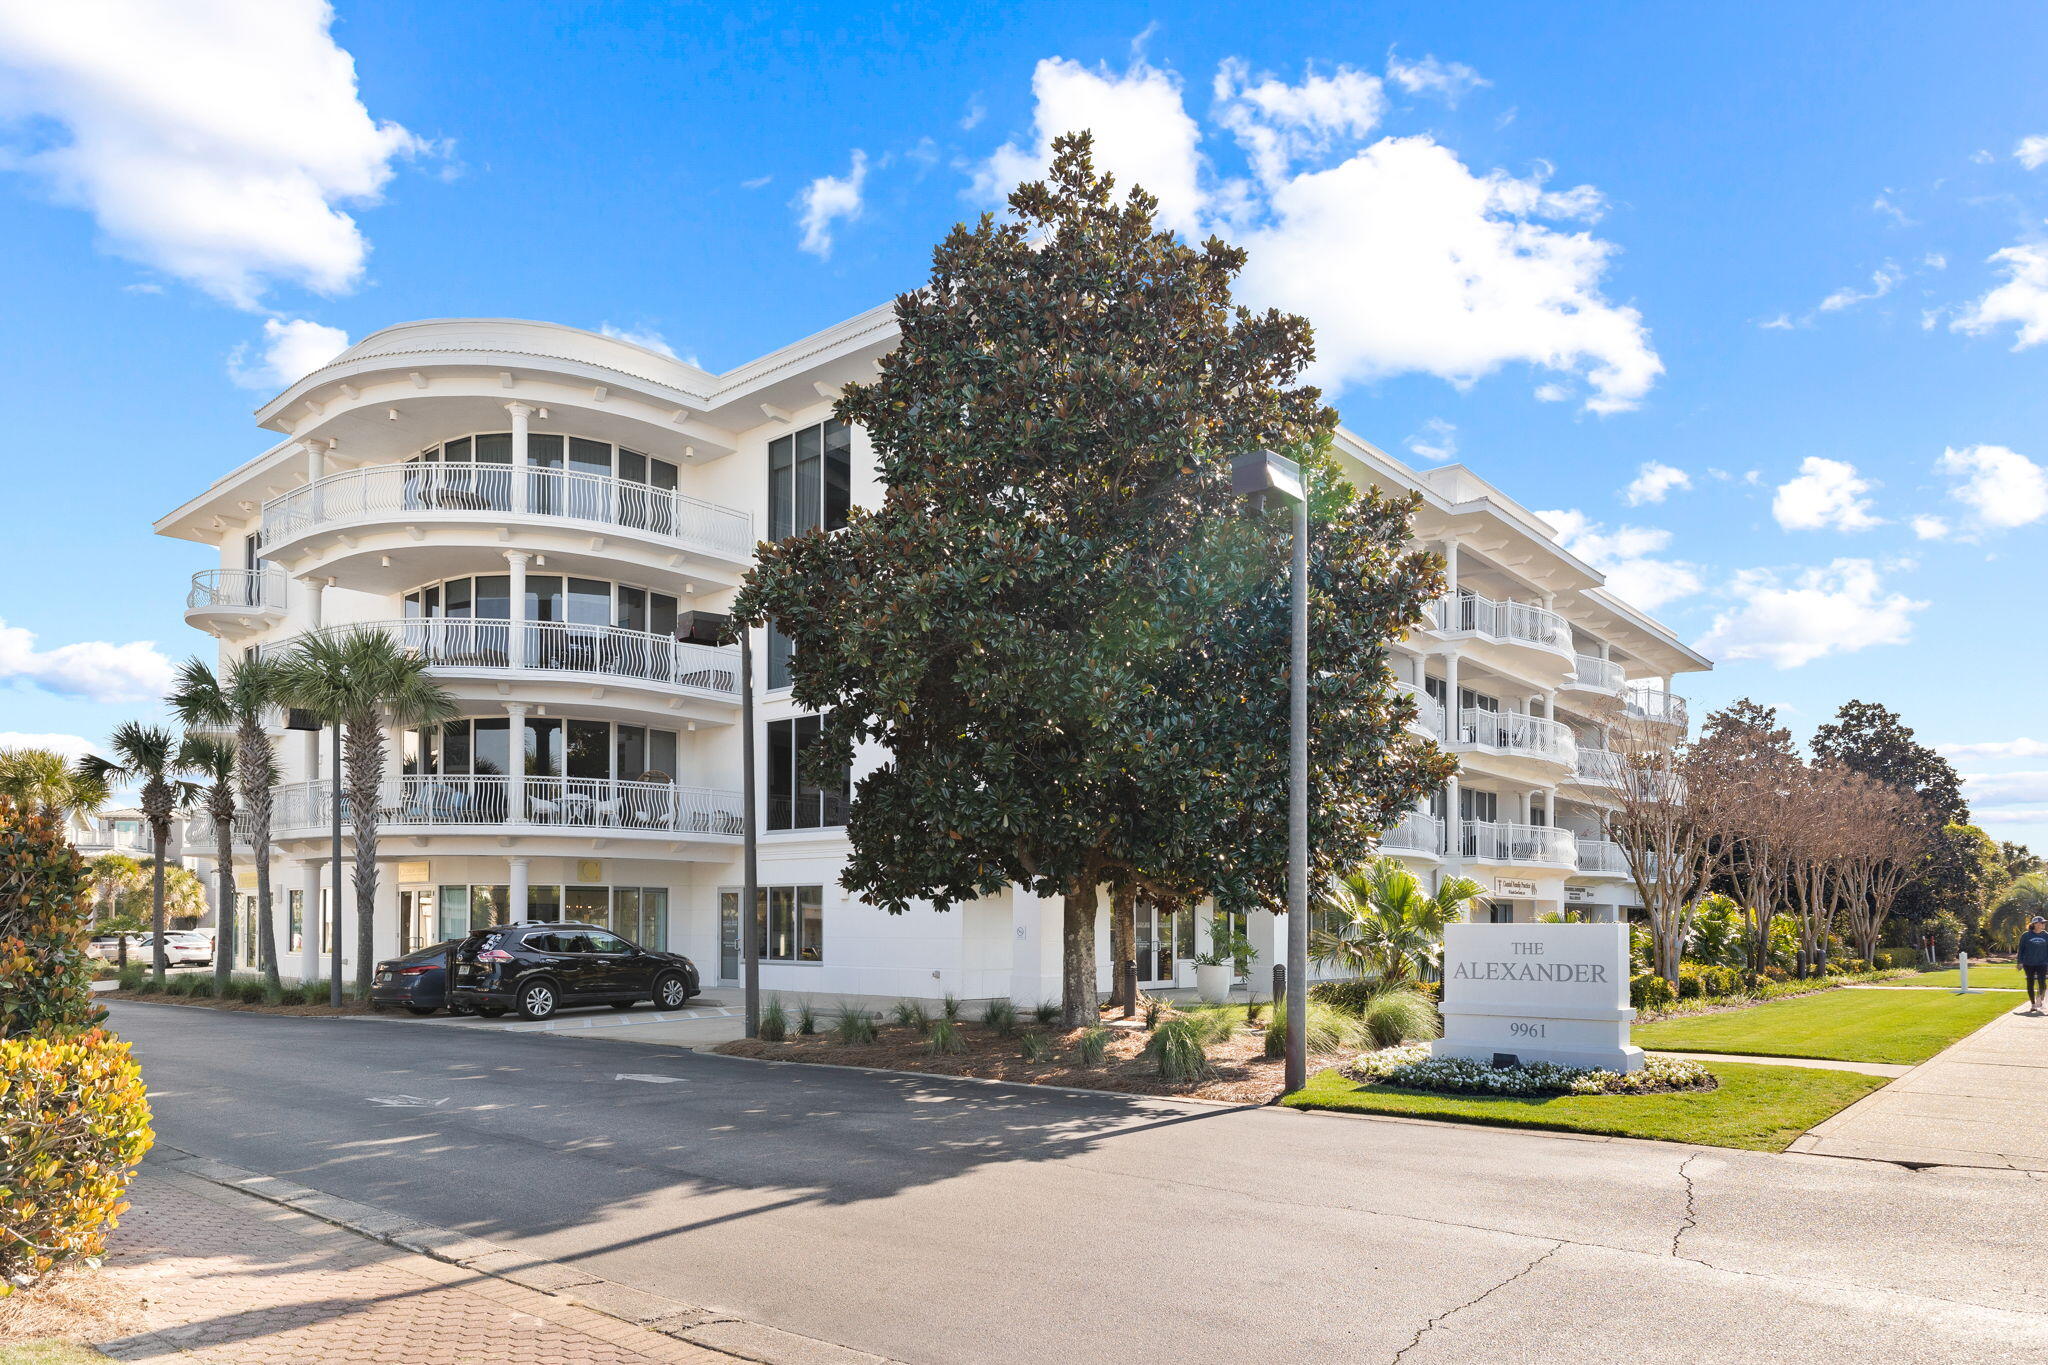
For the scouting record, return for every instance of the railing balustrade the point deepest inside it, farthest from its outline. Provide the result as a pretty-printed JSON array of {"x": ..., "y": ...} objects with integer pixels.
[
  {"x": 1491, "y": 842},
  {"x": 1602, "y": 856},
  {"x": 1652, "y": 704},
  {"x": 1603, "y": 766},
  {"x": 1415, "y": 832},
  {"x": 429, "y": 486},
  {"x": 1520, "y": 622},
  {"x": 1429, "y": 712},
  {"x": 1602, "y": 675},
  {"x": 548, "y": 802},
  {"x": 1513, "y": 732},
  {"x": 457, "y": 643},
  {"x": 235, "y": 588}
]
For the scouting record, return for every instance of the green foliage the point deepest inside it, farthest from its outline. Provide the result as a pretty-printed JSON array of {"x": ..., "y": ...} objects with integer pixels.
[
  {"x": 911, "y": 1014},
  {"x": 131, "y": 977},
  {"x": 1378, "y": 921},
  {"x": 806, "y": 1017},
  {"x": 1046, "y": 1011},
  {"x": 950, "y": 1005},
  {"x": 1327, "y": 1029},
  {"x": 1228, "y": 946},
  {"x": 1036, "y": 1047},
  {"x": 1699, "y": 978},
  {"x": 1178, "y": 1049},
  {"x": 2025, "y": 897},
  {"x": 1150, "y": 1007},
  {"x": 1350, "y": 996},
  {"x": 773, "y": 1025},
  {"x": 74, "y": 1120},
  {"x": 1649, "y": 991},
  {"x": 1059, "y": 625},
  {"x": 1949, "y": 934},
  {"x": 1092, "y": 1046},
  {"x": 1719, "y": 929},
  {"x": 1402, "y": 1017},
  {"x": 1000, "y": 1016},
  {"x": 45, "y": 971},
  {"x": 854, "y": 1025},
  {"x": 1898, "y": 957},
  {"x": 39, "y": 780},
  {"x": 943, "y": 1038},
  {"x": 1869, "y": 739}
]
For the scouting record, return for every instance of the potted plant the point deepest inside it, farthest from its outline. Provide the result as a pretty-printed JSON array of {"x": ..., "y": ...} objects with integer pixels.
[{"x": 1229, "y": 957}]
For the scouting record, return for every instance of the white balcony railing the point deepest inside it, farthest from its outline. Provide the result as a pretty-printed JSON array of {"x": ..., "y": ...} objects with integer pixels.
[
  {"x": 212, "y": 588},
  {"x": 1488, "y": 842},
  {"x": 199, "y": 836},
  {"x": 119, "y": 840},
  {"x": 1592, "y": 671},
  {"x": 1517, "y": 622},
  {"x": 1429, "y": 712},
  {"x": 1653, "y": 704},
  {"x": 459, "y": 644},
  {"x": 544, "y": 802},
  {"x": 1415, "y": 832},
  {"x": 1514, "y": 733},
  {"x": 422, "y": 487},
  {"x": 1602, "y": 856},
  {"x": 1602, "y": 767}
]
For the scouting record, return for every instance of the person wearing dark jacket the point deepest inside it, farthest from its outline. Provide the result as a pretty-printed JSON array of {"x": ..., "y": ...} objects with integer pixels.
[{"x": 2034, "y": 962}]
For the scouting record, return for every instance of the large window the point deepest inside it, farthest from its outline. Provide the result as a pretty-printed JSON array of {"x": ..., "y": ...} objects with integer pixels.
[
  {"x": 810, "y": 479},
  {"x": 639, "y": 913},
  {"x": 790, "y": 920},
  {"x": 589, "y": 749},
  {"x": 549, "y": 597},
  {"x": 794, "y": 801}
]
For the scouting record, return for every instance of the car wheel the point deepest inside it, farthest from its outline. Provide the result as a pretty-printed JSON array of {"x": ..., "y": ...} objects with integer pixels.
[
  {"x": 537, "y": 1000},
  {"x": 421, "y": 1010},
  {"x": 671, "y": 993}
]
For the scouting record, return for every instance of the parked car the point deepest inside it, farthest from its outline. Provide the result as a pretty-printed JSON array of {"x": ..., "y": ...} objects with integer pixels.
[
  {"x": 182, "y": 948},
  {"x": 418, "y": 980},
  {"x": 107, "y": 947},
  {"x": 537, "y": 967}
]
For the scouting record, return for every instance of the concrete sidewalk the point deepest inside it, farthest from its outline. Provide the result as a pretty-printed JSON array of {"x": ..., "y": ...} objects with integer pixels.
[{"x": 1981, "y": 1102}]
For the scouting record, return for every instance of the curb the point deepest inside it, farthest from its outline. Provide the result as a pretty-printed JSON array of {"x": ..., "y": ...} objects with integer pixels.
[
  {"x": 990, "y": 1080},
  {"x": 705, "y": 1327}
]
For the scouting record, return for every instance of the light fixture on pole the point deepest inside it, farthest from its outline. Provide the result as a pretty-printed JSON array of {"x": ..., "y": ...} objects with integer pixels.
[{"x": 1254, "y": 475}]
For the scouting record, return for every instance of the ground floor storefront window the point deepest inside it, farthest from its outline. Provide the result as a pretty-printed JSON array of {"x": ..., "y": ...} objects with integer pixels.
[
  {"x": 790, "y": 920},
  {"x": 638, "y": 913}
]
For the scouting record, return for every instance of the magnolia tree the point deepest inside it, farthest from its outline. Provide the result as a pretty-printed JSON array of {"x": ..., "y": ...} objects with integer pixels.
[{"x": 1060, "y": 627}]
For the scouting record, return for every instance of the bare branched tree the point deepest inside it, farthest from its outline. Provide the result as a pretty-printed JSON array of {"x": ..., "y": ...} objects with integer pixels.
[
  {"x": 1889, "y": 830},
  {"x": 1760, "y": 773},
  {"x": 1667, "y": 816},
  {"x": 1821, "y": 831}
]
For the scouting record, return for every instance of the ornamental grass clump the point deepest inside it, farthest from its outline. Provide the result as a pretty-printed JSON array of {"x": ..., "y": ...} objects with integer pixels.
[
  {"x": 774, "y": 1023},
  {"x": 1036, "y": 1047},
  {"x": 854, "y": 1026},
  {"x": 1092, "y": 1046},
  {"x": 806, "y": 1017},
  {"x": 943, "y": 1039},
  {"x": 1046, "y": 1011},
  {"x": 950, "y": 1006},
  {"x": 1396, "y": 1017},
  {"x": 1000, "y": 1017},
  {"x": 1178, "y": 1051},
  {"x": 1412, "y": 1068},
  {"x": 912, "y": 1014},
  {"x": 1326, "y": 1029}
]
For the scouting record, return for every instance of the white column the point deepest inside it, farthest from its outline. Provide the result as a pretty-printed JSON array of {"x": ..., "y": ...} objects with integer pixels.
[
  {"x": 516, "y": 642},
  {"x": 1451, "y": 718},
  {"x": 517, "y": 883},
  {"x": 1550, "y": 706},
  {"x": 515, "y": 763},
  {"x": 520, "y": 412},
  {"x": 312, "y": 871},
  {"x": 316, "y": 470},
  {"x": 1451, "y": 566}
]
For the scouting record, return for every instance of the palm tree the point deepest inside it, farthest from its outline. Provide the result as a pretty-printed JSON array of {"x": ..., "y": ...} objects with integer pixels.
[
  {"x": 112, "y": 876},
  {"x": 149, "y": 755},
  {"x": 1385, "y": 924},
  {"x": 40, "y": 780},
  {"x": 240, "y": 701},
  {"x": 365, "y": 681},
  {"x": 213, "y": 758}
]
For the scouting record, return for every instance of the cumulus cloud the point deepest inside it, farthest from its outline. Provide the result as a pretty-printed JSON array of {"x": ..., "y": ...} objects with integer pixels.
[
  {"x": 1628, "y": 557},
  {"x": 1882, "y": 281},
  {"x": 292, "y": 349},
  {"x": 828, "y": 199},
  {"x": 1826, "y": 494},
  {"x": 73, "y": 747},
  {"x": 2032, "y": 151},
  {"x": 2021, "y": 301},
  {"x": 1931, "y": 528},
  {"x": 1438, "y": 440},
  {"x": 1404, "y": 258},
  {"x": 213, "y": 142},
  {"x": 640, "y": 336},
  {"x": 1448, "y": 81},
  {"x": 1998, "y": 748},
  {"x": 1653, "y": 483},
  {"x": 93, "y": 669},
  {"x": 1791, "y": 620},
  {"x": 2007, "y": 789},
  {"x": 2002, "y": 488}
]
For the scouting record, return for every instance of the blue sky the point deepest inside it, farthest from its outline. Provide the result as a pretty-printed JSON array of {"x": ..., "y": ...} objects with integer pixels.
[{"x": 1755, "y": 298}]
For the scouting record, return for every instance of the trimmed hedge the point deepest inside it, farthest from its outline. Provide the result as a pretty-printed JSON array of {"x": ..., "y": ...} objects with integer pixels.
[
  {"x": 45, "y": 973},
  {"x": 74, "y": 1120},
  {"x": 1649, "y": 991},
  {"x": 1697, "y": 979}
]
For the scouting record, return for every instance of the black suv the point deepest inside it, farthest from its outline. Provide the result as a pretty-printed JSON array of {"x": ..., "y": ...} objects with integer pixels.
[{"x": 536, "y": 967}]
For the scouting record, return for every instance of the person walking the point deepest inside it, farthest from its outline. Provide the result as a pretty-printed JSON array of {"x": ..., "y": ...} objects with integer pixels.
[{"x": 2034, "y": 962}]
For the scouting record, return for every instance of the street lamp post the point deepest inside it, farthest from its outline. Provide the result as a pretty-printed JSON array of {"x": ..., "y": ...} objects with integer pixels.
[
  {"x": 1254, "y": 475},
  {"x": 750, "y": 928}
]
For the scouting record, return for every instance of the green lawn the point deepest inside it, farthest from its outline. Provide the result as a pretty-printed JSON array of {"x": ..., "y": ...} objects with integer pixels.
[
  {"x": 48, "y": 1353},
  {"x": 1994, "y": 974},
  {"x": 1761, "y": 1108},
  {"x": 1850, "y": 1025}
]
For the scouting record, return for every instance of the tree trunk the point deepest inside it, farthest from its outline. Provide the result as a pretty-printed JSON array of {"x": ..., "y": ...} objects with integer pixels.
[
  {"x": 266, "y": 932},
  {"x": 1123, "y": 945},
  {"x": 257, "y": 771},
  {"x": 224, "y": 926},
  {"x": 160, "y": 960},
  {"x": 1079, "y": 1006},
  {"x": 365, "y": 778}
]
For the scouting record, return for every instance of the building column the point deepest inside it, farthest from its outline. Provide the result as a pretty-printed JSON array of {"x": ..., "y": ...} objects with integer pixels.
[
  {"x": 520, "y": 412},
  {"x": 1451, "y": 566},
  {"x": 316, "y": 470},
  {"x": 516, "y": 887},
  {"x": 515, "y": 763},
  {"x": 518, "y": 654},
  {"x": 312, "y": 872},
  {"x": 1451, "y": 730},
  {"x": 1550, "y": 706}
]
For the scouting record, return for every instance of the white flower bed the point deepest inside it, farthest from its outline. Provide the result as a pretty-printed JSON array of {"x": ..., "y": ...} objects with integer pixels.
[{"x": 1412, "y": 1067}]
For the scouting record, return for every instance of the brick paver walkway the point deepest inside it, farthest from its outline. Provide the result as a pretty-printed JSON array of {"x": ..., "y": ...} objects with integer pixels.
[{"x": 232, "y": 1278}]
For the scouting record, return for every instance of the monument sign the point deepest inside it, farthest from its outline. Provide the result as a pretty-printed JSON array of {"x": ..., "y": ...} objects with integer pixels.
[{"x": 1538, "y": 993}]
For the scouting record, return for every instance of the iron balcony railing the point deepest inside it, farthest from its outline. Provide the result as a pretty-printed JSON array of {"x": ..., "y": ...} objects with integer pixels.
[
  {"x": 1602, "y": 856},
  {"x": 1514, "y": 733},
  {"x": 1601, "y": 675},
  {"x": 1415, "y": 832},
  {"x": 1519, "y": 622},
  {"x": 199, "y": 836},
  {"x": 1653, "y": 704},
  {"x": 1489, "y": 842},
  {"x": 460, "y": 644},
  {"x": 545, "y": 802},
  {"x": 425, "y": 487},
  {"x": 1429, "y": 712},
  {"x": 235, "y": 588}
]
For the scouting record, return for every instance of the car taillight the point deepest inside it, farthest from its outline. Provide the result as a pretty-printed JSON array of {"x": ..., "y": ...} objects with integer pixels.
[
  {"x": 414, "y": 971},
  {"x": 494, "y": 955}
]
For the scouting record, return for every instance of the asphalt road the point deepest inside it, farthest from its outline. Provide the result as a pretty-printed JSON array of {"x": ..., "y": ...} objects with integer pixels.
[{"x": 935, "y": 1221}]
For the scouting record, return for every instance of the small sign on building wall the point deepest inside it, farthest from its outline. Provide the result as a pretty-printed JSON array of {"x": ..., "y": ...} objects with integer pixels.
[
  {"x": 1578, "y": 895},
  {"x": 1514, "y": 888},
  {"x": 419, "y": 871},
  {"x": 590, "y": 870}
]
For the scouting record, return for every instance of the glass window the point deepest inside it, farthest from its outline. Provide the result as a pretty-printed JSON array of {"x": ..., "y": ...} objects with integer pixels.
[
  {"x": 780, "y": 652},
  {"x": 781, "y": 774},
  {"x": 489, "y": 906},
  {"x": 790, "y": 920},
  {"x": 661, "y": 752},
  {"x": 632, "y": 608},
  {"x": 494, "y": 597},
  {"x": 632, "y": 466},
  {"x": 589, "y": 749},
  {"x": 661, "y": 474},
  {"x": 600, "y": 942},
  {"x": 779, "y": 940},
  {"x": 297, "y": 901},
  {"x": 458, "y": 450},
  {"x": 809, "y": 480},
  {"x": 544, "y": 449},
  {"x": 589, "y": 457},
  {"x": 838, "y": 472},
  {"x": 544, "y": 601},
  {"x": 590, "y": 602},
  {"x": 452, "y": 910},
  {"x": 728, "y": 935},
  {"x": 626, "y": 911},
  {"x": 781, "y": 487},
  {"x": 632, "y": 750},
  {"x": 544, "y": 902},
  {"x": 587, "y": 904},
  {"x": 543, "y": 748},
  {"x": 496, "y": 448},
  {"x": 661, "y": 614},
  {"x": 455, "y": 598},
  {"x": 654, "y": 918},
  {"x": 794, "y": 801},
  {"x": 809, "y": 799},
  {"x": 810, "y": 913}
]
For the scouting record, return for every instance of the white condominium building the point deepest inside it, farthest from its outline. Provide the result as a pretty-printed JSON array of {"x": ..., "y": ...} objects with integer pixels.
[{"x": 556, "y": 521}]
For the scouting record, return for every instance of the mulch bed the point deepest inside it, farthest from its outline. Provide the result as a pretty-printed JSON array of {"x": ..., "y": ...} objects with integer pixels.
[
  {"x": 167, "y": 998},
  {"x": 1244, "y": 1074}
]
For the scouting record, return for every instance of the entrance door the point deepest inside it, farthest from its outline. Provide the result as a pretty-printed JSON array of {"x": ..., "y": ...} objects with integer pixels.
[
  {"x": 416, "y": 916},
  {"x": 728, "y": 936},
  {"x": 1155, "y": 936}
]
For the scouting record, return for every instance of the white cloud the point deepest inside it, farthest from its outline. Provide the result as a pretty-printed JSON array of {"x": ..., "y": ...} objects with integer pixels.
[
  {"x": 1982, "y": 156},
  {"x": 1934, "y": 260},
  {"x": 1438, "y": 440},
  {"x": 1781, "y": 323},
  {"x": 73, "y": 747},
  {"x": 640, "y": 336},
  {"x": 1653, "y": 483},
  {"x": 2006, "y": 789},
  {"x": 1998, "y": 748},
  {"x": 1882, "y": 281},
  {"x": 1826, "y": 493},
  {"x": 2022, "y": 300},
  {"x": 1931, "y": 528},
  {"x": 1627, "y": 556},
  {"x": 1883, "y": 204},
  {"x": 1838, "y": 608},
  {"x": 1552, "y": 393},
  {"x": 976, "y": 112},
  {"x": 1448, "y": 81},
  {"x": 292, "y": 349},
  {"x": 1403, "y": 258},
  {"x": 214, "y": 142},
  {"x": 2002, "y": 488},
  {"x": 2032, "y": 151},
  {"x": 756, "y": 183},
  {"x": 828, "y": 199},
  {"x": 93, "y": 669}
]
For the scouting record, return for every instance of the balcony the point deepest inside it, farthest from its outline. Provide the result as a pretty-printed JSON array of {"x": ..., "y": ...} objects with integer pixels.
[
  {"x": 1655, "y": 706},
  {"x": 404, "y": 499},
  {"x": 1515, "y": 735},
  {"x": 1506, "y": 622},
  {"x": 1415, "y": 832},
  {"x": 1591, "y": 673},
  {"x": 235, "y": 601},
  {"x": 1602, "y": 858},
  {"x": 1484, "y": 841},
  {"x": 1599, "y": 767},
  {"x": 580, "y": 805},
  {"x": 564, "y": 651},
  {"x": 1429, "y": 712}
]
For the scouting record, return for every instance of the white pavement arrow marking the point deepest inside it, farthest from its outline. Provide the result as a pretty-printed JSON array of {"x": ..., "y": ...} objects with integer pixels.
[
  {"x": 652, "y": 1080},
  {"x": 406, "y": 1101}
]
